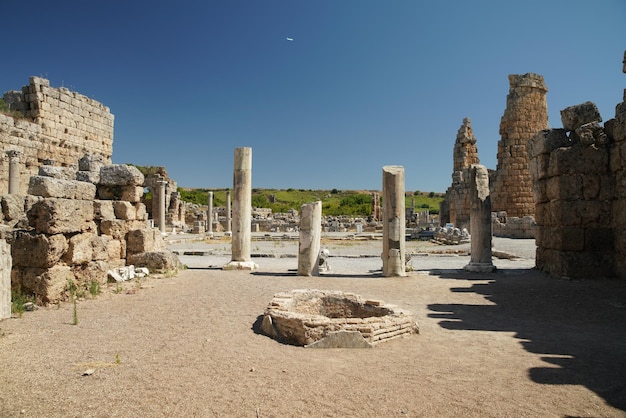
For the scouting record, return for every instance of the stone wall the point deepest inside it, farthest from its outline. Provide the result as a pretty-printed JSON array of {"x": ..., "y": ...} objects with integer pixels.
[
  {"x": 57, "y": 124},
  {"x": 76, "y": 225},
  {"x": 526, "y": 114},
  {"x": 455, "y": 207},
  {"x": 579, "y": 176}
]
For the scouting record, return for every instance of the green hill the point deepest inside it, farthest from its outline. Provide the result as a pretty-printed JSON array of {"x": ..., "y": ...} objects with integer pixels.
[{"x": 334, "y": 202}]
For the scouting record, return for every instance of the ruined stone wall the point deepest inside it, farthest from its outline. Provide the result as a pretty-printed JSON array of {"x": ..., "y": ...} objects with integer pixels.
[
  {"x": 58, "y": 125},
  {"x": 579, "y": 175},
  {"x": 455, "y": 207},
  {"x": 526, "y": 114}
]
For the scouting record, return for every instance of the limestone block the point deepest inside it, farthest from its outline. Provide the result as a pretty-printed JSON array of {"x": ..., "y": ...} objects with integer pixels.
[
  {"x": 88, "y": 176},
  {"x": 156, "y": 261},
  {"x": 61, "y": 173},
  {"x": 120, "y": 175},
  {"x": 563, "y": 238},
  {"x": 94, "y": 271},
  {"x": 53, "y": 216},
  {"x": 599, "y": 239},
  {"x": 80, "y": 249},
  {"x": 12, "y": 207},
  {"x": 126, "y": 193},
  {"x": 578, "y": 159},
  {"x": 546, "y": 141},
  {"x": 565, "y": 187},
  {"x": 142, "y": 213},
  {"x": 124, "y": 210},
  {"x": 5, "y": 279},
  {"x": 37, "y": 250},
  {"x": 144, "y": 240},
  {"x": 103, "y": 210},
  {"x": 118, "y": 228},
  {"x": 591, "y": 134},
  {"x": 574, "y": 116},
  {"x": 116, "y": 249},
  {"x": 48, "y": 285},
  {"x": 65, "y": 189},
  {"x": 99, "y": 245},
  {"x": 90, "y": 163}
]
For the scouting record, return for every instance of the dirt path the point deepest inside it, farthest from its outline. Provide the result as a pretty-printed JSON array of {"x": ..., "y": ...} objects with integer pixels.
[{"x": 514, "y": 343}]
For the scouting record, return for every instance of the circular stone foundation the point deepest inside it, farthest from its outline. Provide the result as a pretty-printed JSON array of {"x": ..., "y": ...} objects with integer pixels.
[{"x": 305, "y": 316}]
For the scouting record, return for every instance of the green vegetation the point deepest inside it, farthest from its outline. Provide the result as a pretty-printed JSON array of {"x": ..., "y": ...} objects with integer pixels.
[
  {"x": 94, "y": 288},
  {"x": 72, "y": 288},
  {"x": 18, "y": 299},
  {"x": 334, "y": 202},
  {"x": 4, "y": 109}
]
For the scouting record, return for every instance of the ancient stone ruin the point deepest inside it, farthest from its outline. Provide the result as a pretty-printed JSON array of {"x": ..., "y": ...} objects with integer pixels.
[
  {"x": 68, "y": 230},
  {"x": 579, "y": 177},
  {"x": 54, "y": 124},
  {"x": 308, "y": 316}
]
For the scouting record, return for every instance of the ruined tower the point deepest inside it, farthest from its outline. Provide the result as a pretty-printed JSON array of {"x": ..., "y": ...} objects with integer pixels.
[
  {"x": 456, "y": 208},
  {"x": 526, "y": 114}
]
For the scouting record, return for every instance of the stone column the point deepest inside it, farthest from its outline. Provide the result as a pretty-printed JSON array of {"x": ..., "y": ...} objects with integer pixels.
[
  {"x": 14, "y": 171},
  {"x": 162, "y": 184},
  {"x": 229, "y": 216},
  {"x": 393, "y": 221},
  {"x": 480, "y": 221},
  {"x": 209, "y": 216},
  {"x": 242, "y": 211},
  {"x": 310, "y": 235},
  {"x": 5, "y": 279}
]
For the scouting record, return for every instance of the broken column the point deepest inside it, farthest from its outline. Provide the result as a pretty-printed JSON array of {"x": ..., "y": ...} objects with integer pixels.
[
  {"x": 480, "y": 221},
  {"x": 162, "y": 184},
  {"x": 242, "y": 211},
  {"x": 209, "y": 216},
  {"x": 14, "y": 171},
  {"x": 393, "y": 221},
  {"x": 229, "y": 217},
  {"x": 5, "y": 279},
  {"x": 310, "y": 235}
]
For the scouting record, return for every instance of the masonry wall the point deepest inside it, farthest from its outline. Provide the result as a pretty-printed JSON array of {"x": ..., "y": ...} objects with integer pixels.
[{"x": 57, "y": 124}]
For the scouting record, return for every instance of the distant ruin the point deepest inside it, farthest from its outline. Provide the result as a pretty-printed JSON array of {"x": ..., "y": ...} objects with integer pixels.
[{"x": 56, "y": 125}]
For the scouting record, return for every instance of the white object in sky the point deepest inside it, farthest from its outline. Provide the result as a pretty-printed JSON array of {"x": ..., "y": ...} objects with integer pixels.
[{"x": 289, "y": 39}]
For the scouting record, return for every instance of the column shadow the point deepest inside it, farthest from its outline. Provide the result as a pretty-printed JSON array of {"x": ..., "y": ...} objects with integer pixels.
[{"x": 578, "y": 326}]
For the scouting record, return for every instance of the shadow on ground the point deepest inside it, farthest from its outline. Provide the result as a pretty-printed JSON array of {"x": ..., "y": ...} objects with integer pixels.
[{"x": 578, "y": 326}]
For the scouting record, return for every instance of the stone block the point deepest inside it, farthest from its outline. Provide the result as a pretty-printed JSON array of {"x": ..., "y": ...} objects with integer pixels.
[
  {"x": 64, "y": 189},
  {"x": 155, "y": 261},
  {"x": 29, "y": 249},
  {"x": 93, "y": 271},
  {"x": 578, "y": 159},
  {"x": 12, "y": 207},
  {"x": 90, "y": 163},
  {"x": 564, "y": 187},
  {"x": 47, "y": 285},
  {"x": 574, "y": 116},
  {"x": 126, "y": 193},
  {"x": 88, "y": 176},
  {"x": 124, "y": 210},
  {"x": 103, "y": 210},
  {"x": 120, "y": 175},
  {"x": 599, "y": 239},
  {"x": 66, "y": 216},
  {"x": 61, "y": 173},
  {"x": 547, "y": 141},
  {"x": 139, "y": 241},
  {"x": 118, "y": 228},
  {"x": 561, "y": 238},
  {"x": 80, "y": 249}
]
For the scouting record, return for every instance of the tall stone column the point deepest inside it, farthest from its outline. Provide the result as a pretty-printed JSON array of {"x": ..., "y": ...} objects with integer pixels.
[
  {"x": 14, "y": 171},
  {"x": 480, "y": 221},
  {"x": 162, "y": 184},
  {"x": 394, "y": 227},
  {"x": 310, "y": 235},
  {"x": 229, "y": 215},
  {"x": 5, "y": 279},
  {"x": 209, "y": 216},
  {"x": 242, "y": 211}
]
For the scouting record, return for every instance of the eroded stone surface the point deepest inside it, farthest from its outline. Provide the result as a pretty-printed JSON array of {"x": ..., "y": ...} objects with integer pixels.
[{"x": 304, "y": 316}]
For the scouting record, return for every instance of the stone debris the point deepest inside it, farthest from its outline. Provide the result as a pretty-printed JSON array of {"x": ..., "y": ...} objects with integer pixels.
[{"x": 122, "y": 274}]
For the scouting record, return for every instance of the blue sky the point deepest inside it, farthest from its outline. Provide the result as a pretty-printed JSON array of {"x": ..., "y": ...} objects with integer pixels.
[{"x": 362, "y": 85}]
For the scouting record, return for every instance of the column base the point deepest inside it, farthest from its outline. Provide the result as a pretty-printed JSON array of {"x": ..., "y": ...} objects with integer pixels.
[
  {"x": 241, "y": 265},
  {"x": 480, "y": 267}
]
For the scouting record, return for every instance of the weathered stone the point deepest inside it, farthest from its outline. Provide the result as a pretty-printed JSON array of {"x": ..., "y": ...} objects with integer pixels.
[
  {"x": 126, "y": 193},
  {"x": 61, "y": 173},
  {"x": 591, "y": 134},
  {"x": 124, "y": 210},
  {"x": 394, "y": 225},
  {"x": 118, "y": 228},
  {"x": 65, "y": 189},
  {"x": 37, "y": 250},
  {"x": 12, "y": 207},
  {"x": 120, "y": 175},
  {"x": 88, "y": 176},
  {"x": 94, "y": 271},
  {"x": 341, "y": 339},
  {"x": 156, "y": 261},
  {"x": 141, "y": 240},
  {"x": 46, "y": 285},
  {"x": 5, "y": 279},
  {"x": 574, "y": 116},
  {"x": 480, "y": 221},
  {"x": 53, "y": 216},
  {"x": 90, "y": 162},
  {"x": 103, "y": 210},
  {"x": 309, "y": 239},
  {"x": 80, "y": 249}
]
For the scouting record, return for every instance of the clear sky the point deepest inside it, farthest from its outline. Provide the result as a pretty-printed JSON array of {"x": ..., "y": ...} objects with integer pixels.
[{"x": 363, "y": 84}]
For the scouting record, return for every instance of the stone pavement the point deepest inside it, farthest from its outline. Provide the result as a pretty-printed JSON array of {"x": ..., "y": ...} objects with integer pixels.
[{"x": 349, "y": 254}]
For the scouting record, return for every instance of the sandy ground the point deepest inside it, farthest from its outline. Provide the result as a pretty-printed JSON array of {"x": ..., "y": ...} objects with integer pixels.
[{"x": 510, "y": 344}]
